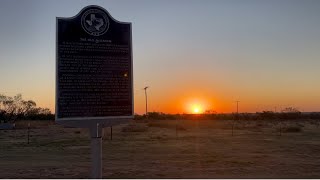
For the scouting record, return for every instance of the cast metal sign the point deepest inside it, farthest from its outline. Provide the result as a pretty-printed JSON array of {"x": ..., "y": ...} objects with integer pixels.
[{"x": 93, "y": 67}]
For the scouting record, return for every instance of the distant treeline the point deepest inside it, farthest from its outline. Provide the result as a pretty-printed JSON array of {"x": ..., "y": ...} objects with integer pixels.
[
  {"x": 15, "y": 108},
  {"x": 286, "y": 114}
]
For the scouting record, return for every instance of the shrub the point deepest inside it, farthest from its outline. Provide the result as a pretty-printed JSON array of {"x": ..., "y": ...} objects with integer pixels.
[
  {"x": 159, "y": 124},
  {"x": 293, "y": 129},
  {"x": 181, "y": 128},
  {"x": 135, "y": 128},
  {"x": 167, "y": 125}
]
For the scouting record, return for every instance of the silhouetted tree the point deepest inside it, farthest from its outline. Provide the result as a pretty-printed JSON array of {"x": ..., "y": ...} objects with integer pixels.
[
  {"x": 290, "y": 113},
  {"x": 266, "y": 115},
  {"x": 15, "y": 108}
]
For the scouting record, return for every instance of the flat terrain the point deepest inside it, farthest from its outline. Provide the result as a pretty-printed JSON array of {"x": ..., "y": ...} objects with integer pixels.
[{"x": 166, "y": 149}]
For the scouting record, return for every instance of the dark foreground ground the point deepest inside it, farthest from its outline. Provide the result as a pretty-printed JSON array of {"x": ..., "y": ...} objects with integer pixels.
[{"x": 198, "y": 149}]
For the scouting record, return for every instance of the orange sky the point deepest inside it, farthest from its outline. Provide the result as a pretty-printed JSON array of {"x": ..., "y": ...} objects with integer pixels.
[{"x": 263, "y": 54}]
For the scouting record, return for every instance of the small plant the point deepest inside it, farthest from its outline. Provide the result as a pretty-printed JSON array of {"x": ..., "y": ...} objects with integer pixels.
[
  {"x": 181, "y": 128},
  {"x": 167, "y": 125},
  {"x": 135, "y": 128},
  {"x": 293, "y": 129}
]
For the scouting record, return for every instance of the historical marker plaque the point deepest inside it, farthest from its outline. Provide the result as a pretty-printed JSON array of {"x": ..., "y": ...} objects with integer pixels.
[{"x": 94, "y": 67}]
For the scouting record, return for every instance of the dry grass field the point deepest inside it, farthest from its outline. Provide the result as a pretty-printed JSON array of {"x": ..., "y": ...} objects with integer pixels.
[{"x": 166, "y": 149}]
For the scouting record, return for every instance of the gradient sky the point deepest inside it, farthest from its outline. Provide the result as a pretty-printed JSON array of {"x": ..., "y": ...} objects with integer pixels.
[{"x": 266, "y": 54}]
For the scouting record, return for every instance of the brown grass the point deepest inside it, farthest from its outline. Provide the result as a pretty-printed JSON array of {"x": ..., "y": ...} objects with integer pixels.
[
  {"x": 167, "y": 124},
  {"x": 293, "y": 129},
  {"x": 156, "y": 150},
  {"x": 135, "y": 127}
]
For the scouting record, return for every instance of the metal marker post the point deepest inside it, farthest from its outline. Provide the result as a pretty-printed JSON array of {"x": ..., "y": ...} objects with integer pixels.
[
  {"x": 96, "y": 151},
  {"x": 98, "y": 33}
]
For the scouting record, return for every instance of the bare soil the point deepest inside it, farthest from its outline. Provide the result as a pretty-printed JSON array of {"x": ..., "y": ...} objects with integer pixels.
[{"x": 166, "y": 149}]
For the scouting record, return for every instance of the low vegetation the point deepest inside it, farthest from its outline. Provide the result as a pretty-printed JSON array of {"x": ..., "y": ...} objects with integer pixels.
[
  {"x": 135, "y": 127},
  {"x": 288, "y": 113},
  {"x": 167, "y": 125},
  {"x": 16, "y": 108},
  {"x": 154, "y": 149},
  {"x": 293, "y": 129}
]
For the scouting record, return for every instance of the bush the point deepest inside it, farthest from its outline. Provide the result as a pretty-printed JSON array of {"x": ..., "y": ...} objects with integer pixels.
[
  {"x": 160, "y": 125},
  {"x": 293, "y": 129},
  {"x": 135, "y": 128},
  {"x": 181, "y": 128},
  {"x": 167, "y": 125},
  {"x": 15, "y": 108}
]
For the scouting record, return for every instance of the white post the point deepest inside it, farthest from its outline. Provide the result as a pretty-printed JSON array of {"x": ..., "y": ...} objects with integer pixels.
[{"x": 96, "y": 152}]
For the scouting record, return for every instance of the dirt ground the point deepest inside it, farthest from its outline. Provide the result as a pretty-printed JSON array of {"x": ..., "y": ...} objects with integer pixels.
[{"x": 166, "y": 149}]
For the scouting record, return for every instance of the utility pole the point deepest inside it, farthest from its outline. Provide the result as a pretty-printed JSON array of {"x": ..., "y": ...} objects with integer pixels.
[
  {"x": 237, "y": 110},
  {"x": 145, "y": 92},
  {"x": 237, "y": 116}
]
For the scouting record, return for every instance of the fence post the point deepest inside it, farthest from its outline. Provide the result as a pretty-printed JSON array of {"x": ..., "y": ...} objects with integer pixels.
[
  {"x": 233, "y": 126},
  {"x": 111, "y": 133},
  {"x": 28, "y": 133},
  {"x": 280, "y": 128},
  {"x": 176, "y": 131}
]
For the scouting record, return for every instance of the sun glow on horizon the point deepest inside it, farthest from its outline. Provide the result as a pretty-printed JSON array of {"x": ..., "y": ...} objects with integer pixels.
[
  {"x": 196, "y": 105},
  {"x": 196, "y": 108}
]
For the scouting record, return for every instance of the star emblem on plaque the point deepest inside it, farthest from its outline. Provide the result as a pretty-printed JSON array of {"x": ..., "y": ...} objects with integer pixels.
[{"x": 95, "y": 22}]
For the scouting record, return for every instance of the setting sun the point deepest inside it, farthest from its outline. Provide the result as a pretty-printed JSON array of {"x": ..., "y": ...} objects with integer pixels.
[
  {"x": 197, "y": 109},
  {"x": 196, "y": 105}
]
